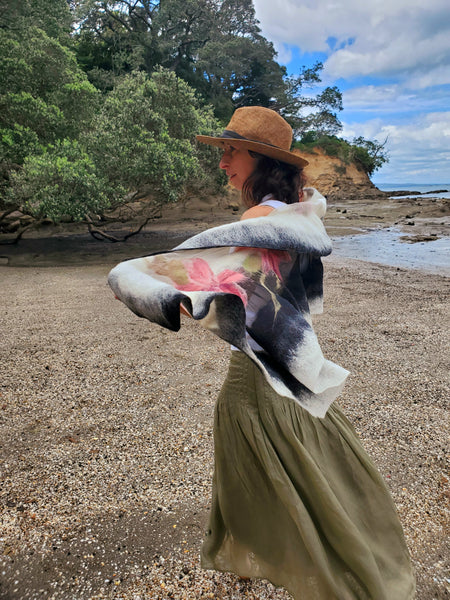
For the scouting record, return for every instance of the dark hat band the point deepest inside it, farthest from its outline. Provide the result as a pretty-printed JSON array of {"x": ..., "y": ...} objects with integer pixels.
[{"x": 228, "y": 134}]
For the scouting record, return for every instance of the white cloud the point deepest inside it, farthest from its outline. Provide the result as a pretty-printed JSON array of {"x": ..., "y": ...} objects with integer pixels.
[
  {"x": 419, "y": 150},
  {"x": 431, "y": 131},
  {"x": 389, "y": 37},
  {"x": 391, "y": 58},
  {"x": 405, "y": 55},
  {"x": 284, "y": 54},
  {"x": 371, "y": 96},
  {"x": 430, "y": 77},
  {"x": 394, "y": 98}
]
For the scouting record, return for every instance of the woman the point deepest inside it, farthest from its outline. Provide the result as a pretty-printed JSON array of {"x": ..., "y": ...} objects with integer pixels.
[{"x": 296, "y": 499}]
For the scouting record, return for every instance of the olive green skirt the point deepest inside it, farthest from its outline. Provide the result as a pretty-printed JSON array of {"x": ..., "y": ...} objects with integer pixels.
[{"x": 296, "y": 499}]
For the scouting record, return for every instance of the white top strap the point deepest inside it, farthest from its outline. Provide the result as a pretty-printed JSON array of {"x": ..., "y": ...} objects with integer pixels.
[{"x": 269, "y": 200}]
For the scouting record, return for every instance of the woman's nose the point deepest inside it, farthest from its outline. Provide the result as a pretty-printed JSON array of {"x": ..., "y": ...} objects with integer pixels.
[{"x": 225, "y": 160}]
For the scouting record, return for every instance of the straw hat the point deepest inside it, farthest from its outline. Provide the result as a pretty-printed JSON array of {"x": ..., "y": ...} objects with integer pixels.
[{"x": 261, "y": 130}]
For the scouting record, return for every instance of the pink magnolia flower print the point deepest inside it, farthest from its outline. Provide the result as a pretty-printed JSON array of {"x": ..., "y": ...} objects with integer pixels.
[
  {"x": 271, "y": 259},
  {"x": 202, "y": 278}
]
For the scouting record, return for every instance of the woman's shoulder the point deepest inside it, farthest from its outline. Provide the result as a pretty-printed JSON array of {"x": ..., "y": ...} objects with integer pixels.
[
  {"x": 256, "y": 211},
  {"x": 266, "y": 206}
]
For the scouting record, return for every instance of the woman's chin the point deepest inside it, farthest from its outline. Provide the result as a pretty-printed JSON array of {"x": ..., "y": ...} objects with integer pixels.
[{"x": 235, "y": 184}]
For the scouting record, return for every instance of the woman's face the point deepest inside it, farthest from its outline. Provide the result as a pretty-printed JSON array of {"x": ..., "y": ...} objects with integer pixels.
[{"x": 238, "y": 165}]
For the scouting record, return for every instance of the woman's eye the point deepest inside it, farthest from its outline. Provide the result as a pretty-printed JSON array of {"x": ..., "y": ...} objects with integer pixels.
[{"x": 229, "y": 151}]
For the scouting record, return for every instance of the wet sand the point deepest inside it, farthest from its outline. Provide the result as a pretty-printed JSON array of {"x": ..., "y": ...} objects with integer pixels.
[{"x": 416, "y": 220}]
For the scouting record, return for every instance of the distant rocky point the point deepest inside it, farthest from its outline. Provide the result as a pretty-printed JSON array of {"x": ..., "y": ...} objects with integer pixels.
[
  {"x": 338, "y": 180},
  {"x": 415, "y": 193}
]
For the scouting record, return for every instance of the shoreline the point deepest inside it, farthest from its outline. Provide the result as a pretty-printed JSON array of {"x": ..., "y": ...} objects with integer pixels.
[
  {"x": 417, "y": 222},
  {"x": 387, "y": 246}
]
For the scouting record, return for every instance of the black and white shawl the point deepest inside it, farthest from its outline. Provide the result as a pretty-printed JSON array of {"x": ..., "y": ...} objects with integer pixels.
[{"x": 254, "y": 283}]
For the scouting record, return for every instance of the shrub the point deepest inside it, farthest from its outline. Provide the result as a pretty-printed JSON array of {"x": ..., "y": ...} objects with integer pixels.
[
  {"x": 60, "y": 182},
  {"x": 144, "y": 135}
]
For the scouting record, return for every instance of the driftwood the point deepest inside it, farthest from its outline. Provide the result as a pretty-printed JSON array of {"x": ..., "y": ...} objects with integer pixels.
[
  {"x": 20, "y": 233},
  {"x": 95, "y": 231},
  {"x": 99, "y": 234},
  {"x": 6, "y": 213}
]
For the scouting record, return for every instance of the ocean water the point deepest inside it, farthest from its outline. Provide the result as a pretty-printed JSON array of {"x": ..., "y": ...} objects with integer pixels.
[
  {"x": 425, "y": 189},
  {"x": 385, "y": 246}
]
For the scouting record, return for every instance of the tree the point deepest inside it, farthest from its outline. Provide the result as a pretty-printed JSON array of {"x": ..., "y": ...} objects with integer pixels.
[
  {"x": 61, "y": 182},
  {"x": 140, "y": 140},
  {"x": 239, "y": 71},
  {"x": 307, "y": 112},
  {"x": 370, "y": 154},
  {"x": 216, "y": 46},
  {"x": 44, "y": 95},
  {"x": 52, "y": 16},
  {"x": 143, "y": 135}
]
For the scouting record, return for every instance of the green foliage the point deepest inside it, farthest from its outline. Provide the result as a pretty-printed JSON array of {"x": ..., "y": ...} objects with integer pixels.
[
  {"x": 178, "y": 104},
  {"x": 23, "y": 109},
  {"x": 216, "y": 47},
  {"x": 43, "y": 89},
  {"x": 16, "y": 144},
  {"x": 330, "y": 144},
  {"x": 240, "y": 71},
  {"x": 52, "y": 16},
  {"x": 315, "y": 114},
  {"x": 61, "y": 182},
  {"x": 143, "y": 134},
  {"x": 44, "y": 97},
  {"x": 369, "y": 154}
]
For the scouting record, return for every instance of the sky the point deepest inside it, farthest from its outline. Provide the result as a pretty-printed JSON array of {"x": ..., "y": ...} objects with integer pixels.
[{"x": 391, "y": 61}]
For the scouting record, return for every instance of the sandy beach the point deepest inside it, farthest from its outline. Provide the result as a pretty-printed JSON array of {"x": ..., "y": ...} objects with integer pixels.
[{"x": 106, "y": 419}]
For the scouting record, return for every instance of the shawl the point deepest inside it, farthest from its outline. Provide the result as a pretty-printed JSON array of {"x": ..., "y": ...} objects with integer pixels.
[{"x": 257, "y": 280}]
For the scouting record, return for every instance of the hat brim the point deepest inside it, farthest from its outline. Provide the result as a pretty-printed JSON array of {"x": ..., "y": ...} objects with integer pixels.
[{"x": 273, "y": 152}]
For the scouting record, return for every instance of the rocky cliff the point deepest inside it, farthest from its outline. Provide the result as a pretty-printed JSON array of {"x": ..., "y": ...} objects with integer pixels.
[
  {"x": 338, "y": 181},
  {"x": 334, "y": 178}
]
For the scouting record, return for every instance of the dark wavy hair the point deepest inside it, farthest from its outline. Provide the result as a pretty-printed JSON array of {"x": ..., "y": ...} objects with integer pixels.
[{"x": 272, "y": 176}]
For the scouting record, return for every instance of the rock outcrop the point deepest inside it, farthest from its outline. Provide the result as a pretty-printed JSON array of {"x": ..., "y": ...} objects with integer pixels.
[{"x": 336, "y": 179}]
